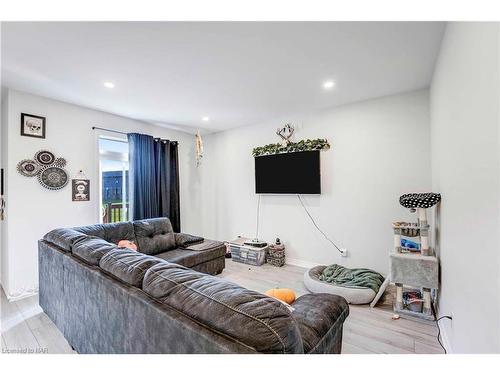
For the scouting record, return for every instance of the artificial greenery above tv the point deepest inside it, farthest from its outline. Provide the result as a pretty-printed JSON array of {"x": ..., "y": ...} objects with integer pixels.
[{"x": 279, "y": 148}]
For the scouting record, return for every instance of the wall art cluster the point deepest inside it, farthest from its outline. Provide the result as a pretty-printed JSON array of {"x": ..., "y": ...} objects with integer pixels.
[{"x": 48, "y": 169}]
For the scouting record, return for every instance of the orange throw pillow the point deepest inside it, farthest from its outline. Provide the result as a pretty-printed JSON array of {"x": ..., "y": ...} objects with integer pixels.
[
  {"x": 127, "y": 244},
  {"x": 283, "y": 294}
]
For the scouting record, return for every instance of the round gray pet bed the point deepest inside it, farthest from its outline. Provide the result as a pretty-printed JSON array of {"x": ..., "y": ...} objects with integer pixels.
[{"x": 353, "y": 295}]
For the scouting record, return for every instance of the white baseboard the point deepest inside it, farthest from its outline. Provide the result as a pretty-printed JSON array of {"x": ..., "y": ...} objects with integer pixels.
[
  {"x": 300, "y": 263},
  {"x": 445, "y": 338},
  {"x": 12, "y": 297}
]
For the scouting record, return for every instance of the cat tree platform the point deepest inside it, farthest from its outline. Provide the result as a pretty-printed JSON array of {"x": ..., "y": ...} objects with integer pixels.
[
  {"x": 417, "y": 271},
  {"x": 414, "y": 270}
]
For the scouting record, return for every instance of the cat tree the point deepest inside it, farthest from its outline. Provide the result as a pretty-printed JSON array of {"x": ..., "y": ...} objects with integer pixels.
[
  {"x": 412, "y": 263},
  {"x": 415, "y": 266}
]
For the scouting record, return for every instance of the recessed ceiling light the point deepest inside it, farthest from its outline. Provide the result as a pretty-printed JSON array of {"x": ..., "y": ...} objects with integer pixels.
[
  {"x": 109, "y": 85},
  {"x": 205, "y": 118},
  {"x": 328, "y": 85}
]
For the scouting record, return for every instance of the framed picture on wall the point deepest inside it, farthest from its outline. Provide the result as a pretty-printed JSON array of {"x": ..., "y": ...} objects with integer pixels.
[
  {"x": 80, "y": 191},
  {"x": 32, "y": 125}
]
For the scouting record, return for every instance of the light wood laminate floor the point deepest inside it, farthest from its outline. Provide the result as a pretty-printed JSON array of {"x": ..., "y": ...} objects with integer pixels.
[{"x": 25, "y": 327}]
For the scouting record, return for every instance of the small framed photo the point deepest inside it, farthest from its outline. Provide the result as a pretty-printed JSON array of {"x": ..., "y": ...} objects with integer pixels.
[
  {"x": 32, "y": 126},
  {"x": 80, "y": 190}
]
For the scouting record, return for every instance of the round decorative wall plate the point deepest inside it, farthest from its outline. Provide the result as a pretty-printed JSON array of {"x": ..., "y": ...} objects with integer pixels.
[
  {"x": 60, "y": 162},
  {"x": 53, "y": 178},
  {"x": 28, "y": 168},
  {"x": 45, "y": 157}
]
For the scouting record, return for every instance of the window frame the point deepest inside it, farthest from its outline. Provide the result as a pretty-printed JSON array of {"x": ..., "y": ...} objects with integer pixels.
[{"x": 117, "y": 138}]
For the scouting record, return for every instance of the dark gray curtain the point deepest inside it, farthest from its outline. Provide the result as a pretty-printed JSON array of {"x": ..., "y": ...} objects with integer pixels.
[
  {"x": 154, "y": 178},
  {"x": 167, "y": 182}
]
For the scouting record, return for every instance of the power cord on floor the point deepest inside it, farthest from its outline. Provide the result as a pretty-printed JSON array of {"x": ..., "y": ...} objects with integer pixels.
[
  {"x": 439, "y": 330},
  {"x": 316, "y": 225}
]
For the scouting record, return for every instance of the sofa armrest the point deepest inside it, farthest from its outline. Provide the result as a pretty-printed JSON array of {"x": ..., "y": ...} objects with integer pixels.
[
  {"x": 320, "y": 318},
  {"x": 184, "y": 240}
]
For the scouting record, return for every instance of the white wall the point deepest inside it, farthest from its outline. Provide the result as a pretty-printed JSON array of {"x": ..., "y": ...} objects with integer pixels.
[
  {"x": 466, "y": 170},
  {"x": 3, "y": 163},
  {"x": 33, "y": 210},
  {"x": 380, "y": 149}
]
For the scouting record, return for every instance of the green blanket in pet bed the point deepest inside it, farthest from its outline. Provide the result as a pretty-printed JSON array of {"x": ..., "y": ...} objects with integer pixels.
[{"x": 352, "y": 278}]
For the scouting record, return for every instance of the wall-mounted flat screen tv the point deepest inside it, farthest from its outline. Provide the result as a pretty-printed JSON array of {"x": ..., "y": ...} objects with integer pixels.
[{"x": 290, "y": 173}]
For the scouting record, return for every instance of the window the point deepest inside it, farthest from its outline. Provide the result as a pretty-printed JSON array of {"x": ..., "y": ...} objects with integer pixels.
[{"x": 113, "y": 166}]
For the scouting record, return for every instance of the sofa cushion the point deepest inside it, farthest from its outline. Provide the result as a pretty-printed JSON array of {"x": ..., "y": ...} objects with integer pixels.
[
  {"x": 91, "y": 249},
  {"x": 128, "y": 265},
  {"x": 96, "y": 230},
  {"x": 206, "y": 245},
  {"x": 154, "y": 235},
  {"x": 112, "y": 232},
  {"x": 116, "y": 232},
  {"x": 252, "y": 318},
  {"x": 191, "y": 258},
  {"x": 64, "y": 238},
  {"x": 320, "y": 317},
  {"x": 184, "y": 240}
]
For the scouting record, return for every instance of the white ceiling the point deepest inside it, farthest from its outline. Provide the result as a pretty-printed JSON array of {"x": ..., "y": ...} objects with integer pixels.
[{"x": 238, "y": 73}]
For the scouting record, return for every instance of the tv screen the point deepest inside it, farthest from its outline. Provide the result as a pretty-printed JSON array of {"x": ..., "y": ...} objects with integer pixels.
[{"x": 290, "y": 173}]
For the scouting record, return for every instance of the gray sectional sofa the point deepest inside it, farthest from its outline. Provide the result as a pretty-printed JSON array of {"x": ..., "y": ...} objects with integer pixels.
[{"x": 164, "y": 299}]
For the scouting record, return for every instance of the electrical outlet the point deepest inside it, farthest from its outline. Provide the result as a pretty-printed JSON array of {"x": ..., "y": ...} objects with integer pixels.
[{"x": 343, "y": 252}]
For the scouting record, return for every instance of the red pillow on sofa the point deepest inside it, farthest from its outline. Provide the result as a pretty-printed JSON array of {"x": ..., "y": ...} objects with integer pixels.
[{"x": 127, "y": 244}]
